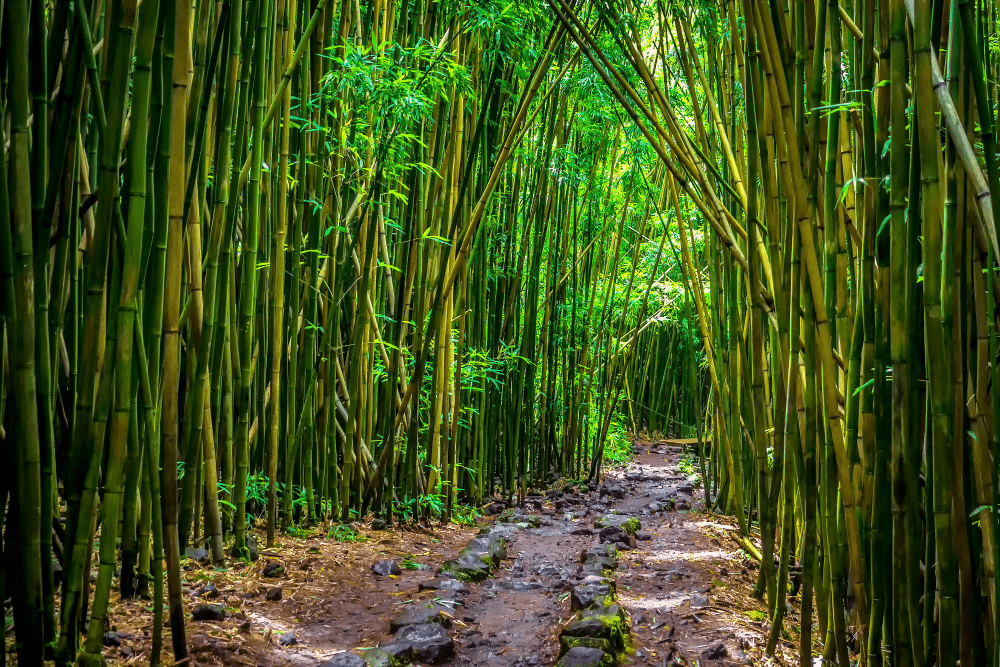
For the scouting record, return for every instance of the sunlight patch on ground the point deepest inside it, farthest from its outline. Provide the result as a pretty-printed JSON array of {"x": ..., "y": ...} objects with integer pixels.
[
  {"x": 673, "y": 555},
  {"x": 659, "y": 605},
  {"x": 713, "y": 524}
]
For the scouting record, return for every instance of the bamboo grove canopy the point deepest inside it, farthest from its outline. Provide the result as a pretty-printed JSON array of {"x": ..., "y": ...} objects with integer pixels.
[{"x": 307, "y": 260}]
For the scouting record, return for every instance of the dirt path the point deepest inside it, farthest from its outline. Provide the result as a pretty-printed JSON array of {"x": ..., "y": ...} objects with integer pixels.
[{"x": 685, "y": 586}]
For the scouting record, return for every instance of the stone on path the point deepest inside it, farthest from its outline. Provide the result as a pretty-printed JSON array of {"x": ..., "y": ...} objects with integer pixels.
[
  {"x": 196, "y": 554},
  {"x": 429, "y": 642},
  {"x": 581, "y": 656},
  {"x": 444, "y": 584},
  {"x": 421, "y": 615},
  {"x": 273, "y": 570},
  {"x": 387, "y": 567},
  {"x": 344, "y": 660},
  {"x": 208, "y": 612}
]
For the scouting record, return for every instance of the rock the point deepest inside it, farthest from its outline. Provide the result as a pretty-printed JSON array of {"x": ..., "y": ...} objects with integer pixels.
[
  {"x": 629, "y": 524},
  {"x": 611, "y": 491},
  {"x": 612, "y": 534},
  {"x": 273, "y": 570},
  {"x": 379, "y": 524},
  {"x": 530, "y": 519},
  {"x": 196, "y": 554},
  {"x": 582, "y": 531},
  {"x": 208, "y": 612},
  {"x": 495, "y": 508},
  {"x": 209, "y": 591},
  {"x": 421, "y": 615},
  {"x": 252, "y": 551},
  {"x": 344, "y": 660},
  {"x": 112, "y": 639},
  {"x": 479, "y": 559},
  {"x": 698, "y": 601},
  {"x": 273, "y": 594},
  {"x": 429, "y": 642},
  {"x": 376, "y": 657},
  {"x": 387, "y": 567},
  {"x": 126, "y": 652},
  {"x": 643, "y": 535},
  {"x": 590, "y": 595},
  {"x": 288, "y": 639},
  {"x": 444, "y": 584},
  {"x": 685, "y": 488},
  {"x": 606, "y": 623},
  {"x": 401, "y": 652},
  {"x": 715, "y": 652},
  {"x": 582, "y": 656}
]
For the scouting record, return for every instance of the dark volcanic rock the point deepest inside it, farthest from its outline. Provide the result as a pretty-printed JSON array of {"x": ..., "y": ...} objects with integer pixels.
[
  {"x": 387, "y": 567},
  {"x": 479, "y": 559},
  {"x": 715, "y": 652},
  {"x": 444, "y": 584},
  {"x": 429, "y": 642},
  {"x": 208, "y": 612},
  {"x": 581, "y": 656},
  {"x": 273, "y": 570},
  {"x": 613, "y": 534},
  {"x": 209, "y": 591},
  {"x": 643, "y": 535},
  {"x": 252, "y": 551},
  {"x": 288, "y": 639},
  {"x": 273, "y": 594},
  {"x": 344, "y": 660},
  {"x": 685, "y": 488},
  {"x": 589, "y": 595},
  {"x": 613, "y": 490},
  {"x": 379, "y": 524},
  {"x": 421, "y": 615},
  {"x": 401, "y": 652},
  {"x": 112, "y": 639},
  {"x": 197, "y": 554}
]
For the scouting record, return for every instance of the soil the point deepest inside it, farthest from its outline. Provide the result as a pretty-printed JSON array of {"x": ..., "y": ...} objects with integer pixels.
[{"x": 686, "y": 586}]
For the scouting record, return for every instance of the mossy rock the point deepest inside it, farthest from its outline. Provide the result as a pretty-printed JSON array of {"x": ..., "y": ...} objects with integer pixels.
[
  {"x": 568, "y": 643},
  {"x": 376, "y": 657},
  {"x": 629, "y": 524},
  {"x": 607, "y": 623},
  {"x": 594, "y": 595},
  {"x": 467, "y": 567},
  {"x": 532, "y": 520}
]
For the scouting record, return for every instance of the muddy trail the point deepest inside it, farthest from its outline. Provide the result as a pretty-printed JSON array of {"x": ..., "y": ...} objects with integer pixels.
[{"x": 567, "y": 579}]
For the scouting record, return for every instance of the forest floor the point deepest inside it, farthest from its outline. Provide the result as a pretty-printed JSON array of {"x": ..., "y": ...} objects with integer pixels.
[{"x": 686, "y": 586}]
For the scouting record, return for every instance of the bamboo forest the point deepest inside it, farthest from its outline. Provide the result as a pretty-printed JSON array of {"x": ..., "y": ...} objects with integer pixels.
[{"x": 663, "y": 332}]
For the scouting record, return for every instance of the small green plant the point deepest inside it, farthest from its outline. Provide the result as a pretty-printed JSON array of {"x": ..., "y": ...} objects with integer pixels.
[
  {"x": 689, "y": 467},
  {"x": 408, "y": 563},
  {"x": 618, "y": 447},
  {"x": 757, "y": 616},
  {"x": 344, "y": 532}
]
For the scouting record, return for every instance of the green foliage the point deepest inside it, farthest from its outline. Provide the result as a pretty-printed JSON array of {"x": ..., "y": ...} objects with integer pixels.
[
  {"x": 344, "y": 532},
  {"x": 618, "y": 448}
]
